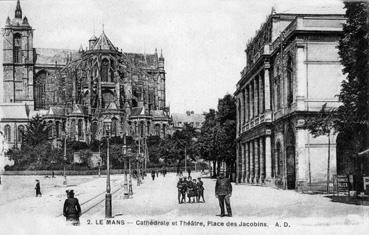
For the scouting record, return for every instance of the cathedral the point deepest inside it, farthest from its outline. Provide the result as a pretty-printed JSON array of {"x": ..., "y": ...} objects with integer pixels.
[{"x": 82, "y": 94}]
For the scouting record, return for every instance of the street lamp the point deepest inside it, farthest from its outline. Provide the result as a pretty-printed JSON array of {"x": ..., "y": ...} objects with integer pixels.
[
  {"x": 108, "y": 202},
  {"x": 126, "y": 193},
  {"x": 64, "y": 157}
]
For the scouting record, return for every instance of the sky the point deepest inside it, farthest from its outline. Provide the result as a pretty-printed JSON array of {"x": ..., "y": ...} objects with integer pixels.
[{"x": 203, "y": 41}]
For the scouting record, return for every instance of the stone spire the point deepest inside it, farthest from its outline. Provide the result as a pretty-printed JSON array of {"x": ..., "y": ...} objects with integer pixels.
[
  {"x": 18, "y": 11},
  {"x": 7, "y": 23}
]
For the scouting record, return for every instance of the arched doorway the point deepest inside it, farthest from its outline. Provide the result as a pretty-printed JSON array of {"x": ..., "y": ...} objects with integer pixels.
[{"x": 290, "y": 159}]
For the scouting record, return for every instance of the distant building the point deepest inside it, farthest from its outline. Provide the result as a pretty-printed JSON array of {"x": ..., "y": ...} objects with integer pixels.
[
  {"x": 292, "y": 70},
  {"x": 179, "y": 120},
  {"x": 84, "y": 93}
]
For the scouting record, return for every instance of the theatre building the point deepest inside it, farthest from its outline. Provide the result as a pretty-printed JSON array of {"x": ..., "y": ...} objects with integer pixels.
[{"x": 292, "y": 69}]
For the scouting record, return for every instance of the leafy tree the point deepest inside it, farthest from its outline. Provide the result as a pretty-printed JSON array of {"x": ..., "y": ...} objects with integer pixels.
[
  {"x": 36, "y": 131},
  {"x": 218, "y": 134},
  {"x": 226, "y": 118},
  {"x": 353, "y": 114}
]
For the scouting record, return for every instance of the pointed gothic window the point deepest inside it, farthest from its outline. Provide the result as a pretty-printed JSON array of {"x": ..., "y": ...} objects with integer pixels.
[
  {"x": 105, "y": 70},
  {"x": 20, "y": 134},
  {"x": 80, "y": 128},
  {"x": 7, "y": 131},
  {"x": 114, "y": 126},
  {"x": 17, "y": 48}
]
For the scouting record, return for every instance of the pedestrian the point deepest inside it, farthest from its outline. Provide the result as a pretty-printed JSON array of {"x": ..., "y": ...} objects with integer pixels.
[
  {"x": 200, "y": 186},
  {"x": 189, "y": 172},
  {"x": 153, "y": 174},
  {"x": 38, "y": 188},
  {"x": 184, "y": 190},
  {"x": 52, "y": 174},
  {"x": 72, "y": 209},
  {"x": 164, "y": 172},
  {"x": 180, "y": 187},
  {"x": 195, "y": 190},
  {"x": 157, "y": 173},
  {"x": 223, "y": 191},
  {"x": 190, "y": 187}
]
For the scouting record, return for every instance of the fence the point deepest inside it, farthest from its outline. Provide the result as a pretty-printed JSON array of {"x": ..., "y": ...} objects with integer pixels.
[{"x": 80, "y": 172}]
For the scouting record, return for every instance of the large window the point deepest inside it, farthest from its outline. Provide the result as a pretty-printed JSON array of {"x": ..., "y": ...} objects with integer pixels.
[
  {"x": 17, "y": 48},
  {"x": 20, "y": 133},
  {"x": 57, "y": 129},
  {"x": 105, "y": 70},
  {"x": 80, "y": 128},
  {"x": 289, "y": 81},
  {"x": 7, "y": 131},
  {"x": 40, "y": 91},
  {"x": 114, "y": 127}
]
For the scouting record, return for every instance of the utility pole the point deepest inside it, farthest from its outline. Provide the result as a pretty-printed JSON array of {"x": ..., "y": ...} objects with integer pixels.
[
  {"x": 126, "y": 193},
  {"x": 108, "y": 206},
  {"x": 65, "y": 159}
]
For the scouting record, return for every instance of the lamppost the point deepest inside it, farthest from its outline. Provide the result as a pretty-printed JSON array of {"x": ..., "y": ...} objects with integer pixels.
[
  {"x": 126, "y": 193},
  {"x": 64, "y": 157},
  {"x": 108, "y": 206}
]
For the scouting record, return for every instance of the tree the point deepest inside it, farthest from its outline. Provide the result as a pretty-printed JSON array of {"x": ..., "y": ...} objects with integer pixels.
[
  {"x": 322, "y": 124},
  {"x": 217, "y": 141},
  {"x": 206, "y": 143},
  {"x": 226, "y": 118},
  {"x": 36, "y": 131},
  {"x": 353, "y": 114}
]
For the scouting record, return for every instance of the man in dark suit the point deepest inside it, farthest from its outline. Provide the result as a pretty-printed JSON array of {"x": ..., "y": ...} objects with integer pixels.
[
  {"x": 72, "y": 209},
  {"x": 223, "y": 191},
  {"x": 38, "y": 189}
]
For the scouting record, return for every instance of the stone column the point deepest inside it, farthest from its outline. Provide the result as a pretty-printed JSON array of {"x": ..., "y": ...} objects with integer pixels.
[
  {"x": 242, "y": 115},
  {"x": 252, "y": 162},
  {"x": 301, "y": 78},
  {"x": 237, "y": 163},
  {"x": 268, "y": 158},
  {"x": 301, "y": 162},
  {"x": 257, "y": 160},
  {"x": 246, "y": 165},
  {"x": 237, "y": 118},
  {"x": 248, "y": 162},
  {"x": 241, "y": 163},
  {"x": 261, "y": 94},
  {"x": 256, "y": 97},
  {"x": 251, "y": 88},
  {"x": 247, "y": 106},
  {"x": 244, "y": 106},
  {"x": 262, "y": 159},
  {"x": 267, "y": 100}
]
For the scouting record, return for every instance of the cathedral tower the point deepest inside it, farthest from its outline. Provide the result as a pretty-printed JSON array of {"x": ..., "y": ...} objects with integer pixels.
[{"x": 18, "y": 61}]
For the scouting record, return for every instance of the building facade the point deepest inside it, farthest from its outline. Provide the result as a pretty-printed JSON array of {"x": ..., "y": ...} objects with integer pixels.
[
  {"x": 179, "y": 120},
  {"x": 292, "y": 70},
  {"x": 83, "y": 93}
]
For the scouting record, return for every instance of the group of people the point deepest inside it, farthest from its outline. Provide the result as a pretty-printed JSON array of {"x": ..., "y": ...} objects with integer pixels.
[
  {"x": 156, "y": 173},
  {"x": 192, "y": 188}
]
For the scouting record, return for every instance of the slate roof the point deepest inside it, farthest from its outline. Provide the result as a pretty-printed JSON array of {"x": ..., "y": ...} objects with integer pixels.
[
  {"x": 138, "y": 59},
  {"x": 51, "y": 55},
  {"x": 13, "y": 111},
  {"x": 104, "y": 43},
  {"x": 183, "y": 117}
]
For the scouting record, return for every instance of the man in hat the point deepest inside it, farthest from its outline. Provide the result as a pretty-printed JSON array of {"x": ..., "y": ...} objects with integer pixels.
[
  {"x": 38, "y": 188},
  {"x": 200, "y": 186},
  {"x": 72, "y": 209},
  {"x": 180, "y": 186},
  {"x": 223, "y": 191}
]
